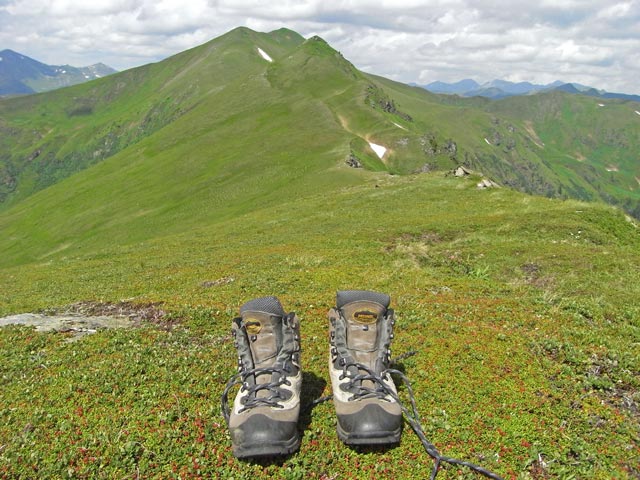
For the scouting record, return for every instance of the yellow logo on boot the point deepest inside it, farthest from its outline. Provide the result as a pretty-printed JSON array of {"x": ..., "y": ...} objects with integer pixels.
[
  {"x": 365, "y": 316},
  {"x": 252, "y": 326}
]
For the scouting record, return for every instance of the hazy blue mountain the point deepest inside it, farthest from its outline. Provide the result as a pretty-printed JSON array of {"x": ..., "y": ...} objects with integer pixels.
[
  {"x": 497, "y": 89},
  {"x": 458, "y": 87},
  {"x": 20, "y": 74}
]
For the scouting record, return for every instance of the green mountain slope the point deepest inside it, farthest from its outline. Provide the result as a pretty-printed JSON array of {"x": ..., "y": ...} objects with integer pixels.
[
  {"x": 590, "y": 144},
  {"x": 244, "y": 144},
  {"x": 227, "y": 180},
  {"x": 48, "y": 137},
  {"x": 551, "y": 144}
]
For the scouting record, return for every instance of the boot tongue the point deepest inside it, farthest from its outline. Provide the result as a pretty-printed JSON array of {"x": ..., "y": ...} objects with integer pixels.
[
  {"x": 363, "y": 321},
  {"x": 264, "y": 332},
  {"x": 363, "y": 311},
  {"x": 262, "y": 321}
]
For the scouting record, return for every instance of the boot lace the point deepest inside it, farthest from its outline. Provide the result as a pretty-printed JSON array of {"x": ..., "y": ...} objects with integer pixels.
[
  {"x": 357, "y": 388},
  {"x": 251, "y": 399}
]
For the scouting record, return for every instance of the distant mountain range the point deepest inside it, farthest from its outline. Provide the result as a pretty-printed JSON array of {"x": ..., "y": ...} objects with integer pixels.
[
  {"x": 21, "y": 75},
  {"x": 497, "y": 89}
]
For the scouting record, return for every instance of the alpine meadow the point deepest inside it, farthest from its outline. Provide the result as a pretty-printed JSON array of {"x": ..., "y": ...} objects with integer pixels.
[{"x": 266, "y": 164}]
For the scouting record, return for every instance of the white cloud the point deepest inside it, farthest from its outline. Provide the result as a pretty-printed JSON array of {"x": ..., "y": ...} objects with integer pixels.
[{"x": 587, "y": 41}]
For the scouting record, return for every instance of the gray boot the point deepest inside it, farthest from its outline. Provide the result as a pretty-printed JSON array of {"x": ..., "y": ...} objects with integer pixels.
[
  {"x": 264, "y": 417},
  {"x": 360, "y": 334}
]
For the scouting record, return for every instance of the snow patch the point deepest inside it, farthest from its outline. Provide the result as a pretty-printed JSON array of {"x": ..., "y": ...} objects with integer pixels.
[
  {"x": 1, "y": 60},
  {"x": 265, "y": 55},
  {"x": 488, "y": 142},
  {"x": 601, "y": 104},
  {"x": 379, "y": 149},
  {"x": 611, "y": 168},
  {"x": 637, "y": 112},
  {"x": 86, "y": 76},
  {"x": 400, "y": 126}
]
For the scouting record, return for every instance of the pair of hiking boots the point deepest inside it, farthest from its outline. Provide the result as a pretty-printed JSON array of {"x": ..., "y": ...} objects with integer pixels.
[{"x": 264, "y": 416}]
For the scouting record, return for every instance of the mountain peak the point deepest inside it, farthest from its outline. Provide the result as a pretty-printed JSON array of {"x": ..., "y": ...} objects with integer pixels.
[
  {"x": 20, "y": 74},
  {"x": 286, "y": 32},
  {"x": 8, "y": 52}
]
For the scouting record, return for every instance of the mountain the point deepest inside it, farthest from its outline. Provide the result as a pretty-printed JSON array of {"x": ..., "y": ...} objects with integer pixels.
[
  {"x": 450, "y": 88},
  {"x": 497, "y": 89},
  {"x": 511, "y": 88},
  {"x": 175, "y": 192},
  {"x": 551, "y": 144},
  {"x": 494, "y": 89},
  {"x": 20, "y": 74}
]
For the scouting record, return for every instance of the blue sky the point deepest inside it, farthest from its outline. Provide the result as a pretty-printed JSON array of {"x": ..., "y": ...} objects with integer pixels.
[{"x": 593, "y": 42}]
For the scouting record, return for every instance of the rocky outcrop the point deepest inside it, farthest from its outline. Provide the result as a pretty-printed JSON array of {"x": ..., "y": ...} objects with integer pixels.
[
  {"x": 431, "y": 146},
  {"x": 377, "y": 98},
  {"x": 353, "y": 161},
  {"x": 460, "y": 171},
  {"x": 487, "y": 183}
]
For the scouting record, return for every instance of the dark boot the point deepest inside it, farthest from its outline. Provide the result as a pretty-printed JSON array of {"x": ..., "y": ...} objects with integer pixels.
[
  {"x": 360, "y": 334},
  {"x": 264, "y": 417}
]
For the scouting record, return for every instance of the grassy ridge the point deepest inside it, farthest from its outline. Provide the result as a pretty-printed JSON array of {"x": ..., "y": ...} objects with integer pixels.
[
  {"x": 48, "y": 137},
  {"x": 552, "y": 144}
]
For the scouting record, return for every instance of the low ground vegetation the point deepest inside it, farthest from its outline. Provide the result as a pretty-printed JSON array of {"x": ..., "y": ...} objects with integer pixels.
[{"x": 522, "y": 312}]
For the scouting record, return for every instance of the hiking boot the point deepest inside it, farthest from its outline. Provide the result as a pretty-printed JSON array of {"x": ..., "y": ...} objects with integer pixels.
[
  {"x": 264, "y": 417},
  {"x": 360, "y": 334}
]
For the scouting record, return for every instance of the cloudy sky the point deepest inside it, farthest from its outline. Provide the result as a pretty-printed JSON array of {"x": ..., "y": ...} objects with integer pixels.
[{"x": 593, "y": 42}]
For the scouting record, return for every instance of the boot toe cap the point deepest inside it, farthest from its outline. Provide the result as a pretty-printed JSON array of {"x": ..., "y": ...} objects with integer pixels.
[
  {"x": 260, "y": 435},
  {"x": 371, "y": 425}
]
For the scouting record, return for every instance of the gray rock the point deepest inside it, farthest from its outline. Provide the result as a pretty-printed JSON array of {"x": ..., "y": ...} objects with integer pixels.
[
  {"x": 461, "y": 172},
  {"x": 353, "y": 161},
  {"x": 80, "y": 325},
  {"x": 486, "y": 183}
]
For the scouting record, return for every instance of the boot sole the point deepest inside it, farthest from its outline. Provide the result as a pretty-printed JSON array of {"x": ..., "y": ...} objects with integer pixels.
[
  {"x": 267, "y": 450},
  {"x": 379, "y": 438}
]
